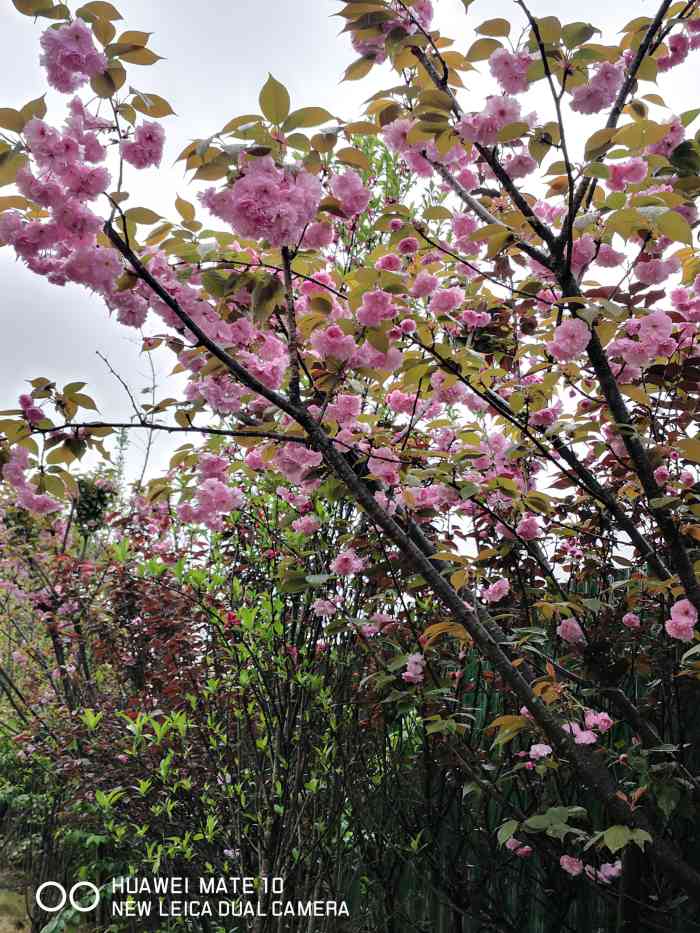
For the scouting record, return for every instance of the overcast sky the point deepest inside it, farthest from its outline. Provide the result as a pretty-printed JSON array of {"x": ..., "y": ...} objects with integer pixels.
[{"x": 217, "y": 56}]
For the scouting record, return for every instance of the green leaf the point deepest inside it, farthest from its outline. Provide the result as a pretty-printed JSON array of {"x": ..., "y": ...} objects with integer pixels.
[
  {"x": 675, "y": 227},
  {"x": 102, "y": 9},
  {"x": 11, "y": 120},
  {"x": 550, "y": 29},
  {"x": 577, "y": 33},
  {"x": 358, "y": 69},
  {"x": 690, "y": 448},
  {"x": 617, "y": 837},
  {"x": 482, "y": 49},
  {"x": 185, "y": 209},
  {"x": 151, "y": 105},
  {"x": 494, "y": 27},
  {"x": 142, "y": 215},
  {"x": 306, "y": 117},
  {"x": 140, "y": 56},
  {"x": 686, "y": 158},
  {"x": 506, "y": 831},
  {"x": 35, "y": 108},
  {"x": 10, "y": 164},
  {"x": 274, "y": 101}
]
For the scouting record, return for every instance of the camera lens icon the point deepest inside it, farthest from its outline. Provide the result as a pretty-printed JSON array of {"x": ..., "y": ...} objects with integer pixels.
[{"x": 66, "y": 896}]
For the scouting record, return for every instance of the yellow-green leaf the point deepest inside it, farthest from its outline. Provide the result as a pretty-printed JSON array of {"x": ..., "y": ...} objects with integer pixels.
[
  {"x": 274, "y": 101},
  {"x": 494, "y": 27},
  {"x": 358, "y": 69},
  {"x": 11, "y": 120},
  {"x": 131, "y": 37},
  {"x": 102, "y": 9},
  {"x": 142, "y": 215},
  {"x": 151, "y": 105},
  {"x": 306, "y": 117},
  {"x": 351, "y": 156},
  {"x": 675, "y": 227},
  {"x": 550, "y": 29},
  {"x": 690, "y": 448},
  {"x": 482, "y": 49},
  {"x": 140, "y": 57},
  {"x": 185, "y": 209}
]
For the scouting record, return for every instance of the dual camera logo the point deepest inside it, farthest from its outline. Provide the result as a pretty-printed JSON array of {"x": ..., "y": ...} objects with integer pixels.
[{"x": 66, "y": 896}]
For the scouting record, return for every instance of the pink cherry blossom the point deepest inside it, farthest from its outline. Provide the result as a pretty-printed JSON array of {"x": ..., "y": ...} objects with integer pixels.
[
  {"x": 333, "y": 341},
  {"x": 384, "y": 465},
  {"x": 600, "y": 90},
  {"x": 267, "y": 202},
  {"x": 510, "y": 70},
  {"x": 318, "y": 235},
  {"x": 306, "y": 525},
  {"x": 347, "y": 563},
  {"x": 539, "y": 751},
  {"x": 323, "y": 608},
  {"x": 580, "y": 736},
  {"x": 678, "y": 47},
  {"x": 424, "y": 285},
  {"x": 631, "y": 620},
  {"x": 146, "y": 148},
  {"x": 633, "y": 171},
  {"x": 414, "y": 673},
  {"x": 528, "y": 528},
  {"x": 377, "y": 306},
  {"x": 351, "y": 193},
  {"x": 609, "y": 871},
  {"x": 571, "y": 866},
  {"x": 497, "y": 591},
  {"x": 446, "y": 300},
  {"x": 570, "y": 631},
  {"x": 570, "y": 340},
  {"x": 600, "y": 721},
  {"x": 70, "y": 57}
]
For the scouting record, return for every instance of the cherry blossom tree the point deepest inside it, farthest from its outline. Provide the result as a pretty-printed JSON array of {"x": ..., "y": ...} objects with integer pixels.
[{"x": 492, "y": 363}]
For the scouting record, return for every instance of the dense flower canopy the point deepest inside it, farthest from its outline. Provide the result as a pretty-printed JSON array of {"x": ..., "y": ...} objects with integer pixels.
[{"x": 476, "y": 333}]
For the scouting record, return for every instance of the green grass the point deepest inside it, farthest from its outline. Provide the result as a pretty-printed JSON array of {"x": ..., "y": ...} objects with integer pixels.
[{"x": 13, "y": 917}]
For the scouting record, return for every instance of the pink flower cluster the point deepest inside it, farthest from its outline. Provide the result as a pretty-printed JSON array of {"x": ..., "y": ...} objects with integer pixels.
[
  {"x": 70, "y": 56},
  {"x": 653, "y": 333},
  {"x": 377, "y": 306},
  {"x": 497, "y": 591},
  {"x": 678, "y": 48},
  {"x": 30, "y": 410},
  {"x": 600, "y": 90},
  {"x": 146, "y": 148},
  {"x": 267, "y": 202},
  {"x": 27, "y": 496},
  {"x": 347, "y": 563},
  {"x": 510, "y": 70},
  {"x": 334, "y": 342},
  {"x": 570, "y": 339},
  {"x": 518, "y": 848},
  {"x": 295, "y": 461},
  {"x": 651, "y": 271},
  {"x": 483, "y": 128},
  {"x": 630, "y": 172},
  {"x": 384, "y": 465},
  {"x": 528, "y": 528},
  {"x": 607, "y": 872},
  {"x": 63, "y": 248},
  {"x": 570, "y": 631},
  {"x": 351, "y": 193},
  {"x": 373, "y": 47},
  {"x": 415, "y": 669},
  {"x": 214, "y": 501},
  {"x": 681, "y": 625}
]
